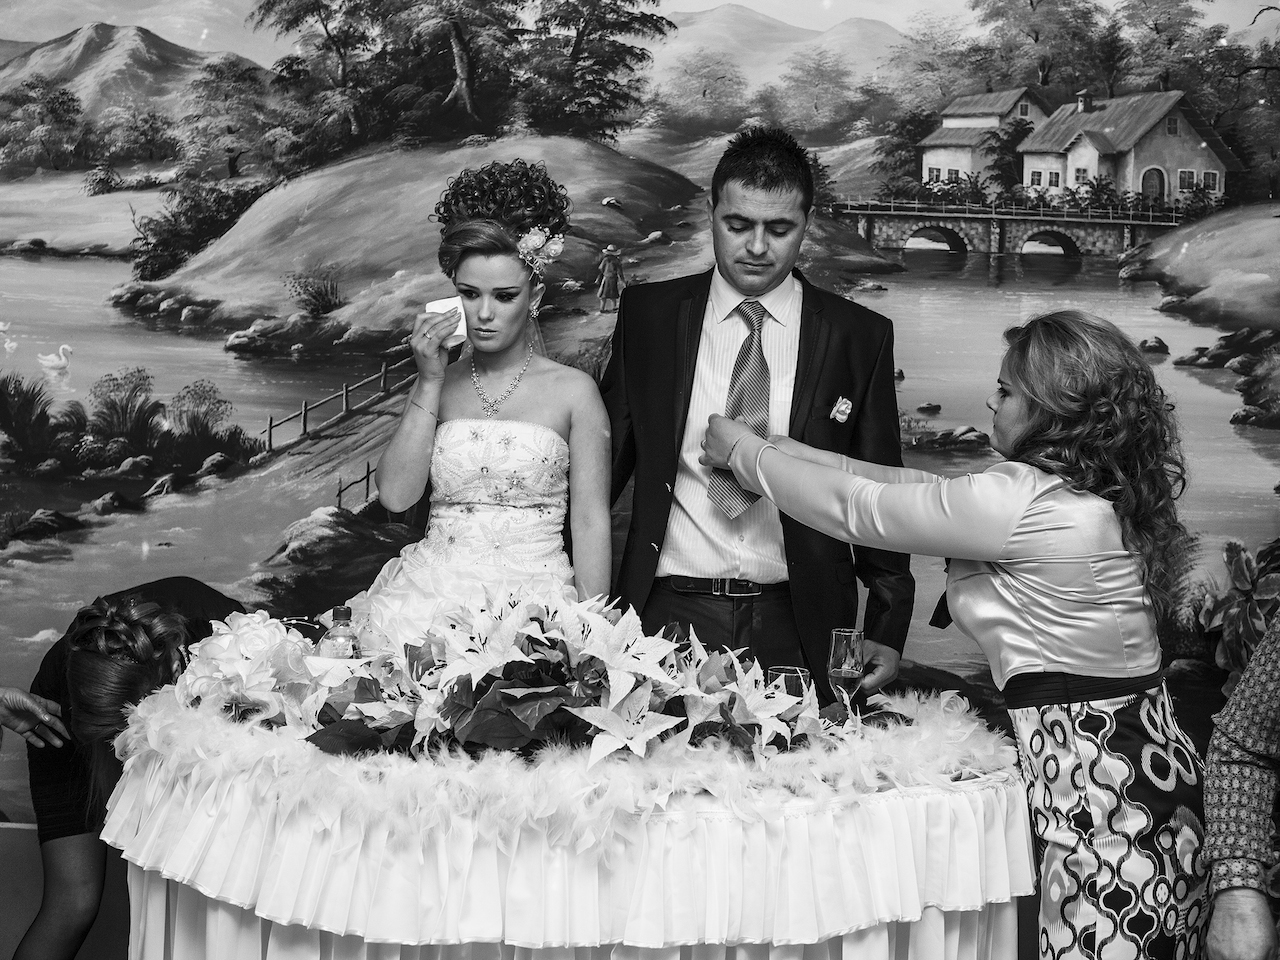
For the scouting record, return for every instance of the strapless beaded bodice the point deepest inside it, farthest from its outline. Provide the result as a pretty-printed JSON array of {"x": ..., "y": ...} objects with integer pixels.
[{"x": 499, "y": 490}]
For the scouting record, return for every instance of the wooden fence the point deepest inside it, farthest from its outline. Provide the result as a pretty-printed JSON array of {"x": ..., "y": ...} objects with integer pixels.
[
  {"x": 385, "y": 386},
  {"x": 366, "y": 480}
]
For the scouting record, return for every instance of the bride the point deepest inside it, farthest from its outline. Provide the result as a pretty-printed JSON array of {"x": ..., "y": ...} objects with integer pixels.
[{"x": 507, "y": 440}]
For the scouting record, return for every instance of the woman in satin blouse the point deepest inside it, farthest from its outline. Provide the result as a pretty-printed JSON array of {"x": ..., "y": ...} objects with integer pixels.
[{"x": 1059, "y": 570}]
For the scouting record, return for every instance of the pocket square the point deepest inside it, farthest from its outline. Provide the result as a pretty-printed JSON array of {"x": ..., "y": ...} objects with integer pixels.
[{"x": 840, "y": 412}]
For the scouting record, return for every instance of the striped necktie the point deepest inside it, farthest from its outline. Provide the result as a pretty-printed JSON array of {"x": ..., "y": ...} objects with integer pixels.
[{"x": 748, "y": 401}]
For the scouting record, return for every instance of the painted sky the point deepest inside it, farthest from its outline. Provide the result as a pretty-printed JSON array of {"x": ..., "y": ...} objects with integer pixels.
[
  {"x": 824, "y": 14},
  {"x": 219, "y": 24}
]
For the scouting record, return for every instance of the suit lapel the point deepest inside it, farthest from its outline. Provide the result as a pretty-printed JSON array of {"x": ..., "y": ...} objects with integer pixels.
[
  {"x": 689, "y": 319},
  {"x": 815, "y": 333}
]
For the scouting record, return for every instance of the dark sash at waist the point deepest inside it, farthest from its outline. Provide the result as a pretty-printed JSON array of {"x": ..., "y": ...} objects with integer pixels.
[{"x": 1042, "y": 689}]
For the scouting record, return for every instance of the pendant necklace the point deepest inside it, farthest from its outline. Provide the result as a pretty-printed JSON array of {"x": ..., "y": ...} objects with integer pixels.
[{"x": 491, "y": 404}]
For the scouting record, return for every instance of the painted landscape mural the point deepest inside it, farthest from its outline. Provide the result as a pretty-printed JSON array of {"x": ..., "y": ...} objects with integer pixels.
[{"x": 215, "y": 227}]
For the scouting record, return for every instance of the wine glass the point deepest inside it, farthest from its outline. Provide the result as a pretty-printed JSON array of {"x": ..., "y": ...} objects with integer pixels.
[
  {"x": 845, "y": 664},
  {"x": 794, "y": 679}
]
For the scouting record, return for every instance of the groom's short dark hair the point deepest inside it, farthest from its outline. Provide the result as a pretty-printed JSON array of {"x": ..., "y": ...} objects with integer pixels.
[{"x": 766, "y": 158}]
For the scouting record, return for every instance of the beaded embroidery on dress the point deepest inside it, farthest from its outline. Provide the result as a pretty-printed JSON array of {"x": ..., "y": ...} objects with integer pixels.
[{"x": 499, "y": 498}]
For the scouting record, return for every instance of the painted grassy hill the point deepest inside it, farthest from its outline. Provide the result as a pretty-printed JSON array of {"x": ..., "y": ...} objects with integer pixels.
[
  {"x": 849, "y": 164},
  {"x": 1224, "y": 269},
  {"x": 366, "y": 222}
]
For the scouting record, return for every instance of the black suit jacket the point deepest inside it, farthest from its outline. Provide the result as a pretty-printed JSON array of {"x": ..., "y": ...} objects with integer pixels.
[{"x": 846, "y": 351}]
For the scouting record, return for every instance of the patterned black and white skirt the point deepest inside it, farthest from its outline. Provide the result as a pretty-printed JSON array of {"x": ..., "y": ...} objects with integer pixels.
[{"x": 1116, "y": 796}]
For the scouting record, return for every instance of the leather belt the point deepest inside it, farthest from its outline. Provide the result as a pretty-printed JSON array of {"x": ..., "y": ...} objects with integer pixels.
[{"x": 722, "y": 586}]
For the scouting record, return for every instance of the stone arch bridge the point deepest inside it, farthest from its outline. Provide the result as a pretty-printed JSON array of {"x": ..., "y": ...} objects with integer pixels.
[{"x": 967, "y": 228}]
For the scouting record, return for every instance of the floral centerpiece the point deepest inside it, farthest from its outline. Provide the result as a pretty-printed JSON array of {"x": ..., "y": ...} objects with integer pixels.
[{"x": 520, "y": 670}]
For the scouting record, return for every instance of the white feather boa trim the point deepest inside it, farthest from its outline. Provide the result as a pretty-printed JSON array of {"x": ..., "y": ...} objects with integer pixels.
[{"x": 946, "y": 748}]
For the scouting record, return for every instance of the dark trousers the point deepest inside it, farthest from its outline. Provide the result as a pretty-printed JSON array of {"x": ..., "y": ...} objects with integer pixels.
[{"x": 766, "y": 624}]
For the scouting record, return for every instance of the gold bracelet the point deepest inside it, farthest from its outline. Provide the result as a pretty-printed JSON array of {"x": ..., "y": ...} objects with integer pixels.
[{"x": 430, "y": 413}]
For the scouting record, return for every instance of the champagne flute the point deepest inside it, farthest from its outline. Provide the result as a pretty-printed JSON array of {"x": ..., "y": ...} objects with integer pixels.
[
  {"x": 845, "y": 665},
  {"x": 794, "y": 679}
]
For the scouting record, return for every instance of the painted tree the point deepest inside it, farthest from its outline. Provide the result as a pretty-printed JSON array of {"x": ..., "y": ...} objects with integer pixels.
[
  {"x": 231, "y": 117},
  {"x": 45, "y": 126},
  {"x": 707, "y": 92},
  {"x": 896, "y": 153},
  {"x": 1045, "y": 35},
  {"x": 1111, "y": 55},
  {"x": 1166, "y": 34},
  {"x": 819, "y": 93},
  {"x": 133, "y": 131},
  {"x": 480, "y": 36},
  {"x": 581, "y": 70},
  {"x": 938, "y": 60},
  {"x": 338, "y": 29},
  {"x": 1001, "y": 144}
]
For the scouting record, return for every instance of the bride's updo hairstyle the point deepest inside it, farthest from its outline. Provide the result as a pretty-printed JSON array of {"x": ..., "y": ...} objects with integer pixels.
[
  {"x": 486, "y": 211},
  {"x": 1098, "y": 418},
  {"x": 120, "y": 651}
]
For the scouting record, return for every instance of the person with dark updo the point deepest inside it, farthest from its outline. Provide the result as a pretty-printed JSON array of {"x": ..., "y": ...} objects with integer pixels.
[
  {"x": 1060, "y": 570},
  {"x": 118, "y": 649},
  {"x": 508, "y": 442}
]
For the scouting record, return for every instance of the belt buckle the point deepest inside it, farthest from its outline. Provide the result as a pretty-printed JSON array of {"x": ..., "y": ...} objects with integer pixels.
[{"x": 728, "y": 587}]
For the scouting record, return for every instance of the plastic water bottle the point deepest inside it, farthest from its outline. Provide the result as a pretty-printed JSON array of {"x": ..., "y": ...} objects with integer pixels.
[{"x": 340, "y": 639}]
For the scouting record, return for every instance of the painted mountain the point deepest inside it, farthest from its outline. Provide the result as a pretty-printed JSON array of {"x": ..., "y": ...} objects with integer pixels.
[
  {"x": 11, "y": 48},
  {"x": 105, "y": 65},
  {"x": 202, "y": 25},
  {"x": 763, "y": 45}
]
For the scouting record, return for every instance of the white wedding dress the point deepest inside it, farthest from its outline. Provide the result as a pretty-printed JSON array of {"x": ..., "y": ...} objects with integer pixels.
[{"x": 500, "y": 491}]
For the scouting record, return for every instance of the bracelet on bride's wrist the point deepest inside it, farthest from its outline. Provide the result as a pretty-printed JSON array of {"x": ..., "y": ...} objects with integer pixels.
[{"x": 428, "y": 411}]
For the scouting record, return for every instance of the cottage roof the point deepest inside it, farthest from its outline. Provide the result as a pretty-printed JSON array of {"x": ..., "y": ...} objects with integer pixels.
[
  {"x": 1101, "y": 142},
  {"x": 956, "y": 137},
  {"x": 1117, "y": 124},
  {"x": 995, "y": 103}
]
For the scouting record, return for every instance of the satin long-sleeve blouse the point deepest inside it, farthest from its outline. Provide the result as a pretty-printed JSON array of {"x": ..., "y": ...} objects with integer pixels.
[{"x": 1039, "y": 575}]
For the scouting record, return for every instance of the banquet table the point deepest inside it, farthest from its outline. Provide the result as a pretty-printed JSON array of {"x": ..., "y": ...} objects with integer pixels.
[{"x": 247, "y": 842}]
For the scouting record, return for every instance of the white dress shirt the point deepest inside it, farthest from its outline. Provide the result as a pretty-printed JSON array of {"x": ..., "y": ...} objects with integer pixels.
[{"x": 701, "y": 541}]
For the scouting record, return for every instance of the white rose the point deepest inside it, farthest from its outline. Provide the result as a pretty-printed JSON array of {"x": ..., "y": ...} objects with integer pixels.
[
  {"x": 553, "y": 248},
  {"x": 201, "y": 679},
  {"x": 533, "y": 240},
  {"x": 256, "y": 632}
]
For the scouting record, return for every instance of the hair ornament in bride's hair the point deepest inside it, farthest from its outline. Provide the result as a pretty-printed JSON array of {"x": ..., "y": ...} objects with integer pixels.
[
  {"x": 503, "y": 208},
  {"x": 538, "y": 249}
]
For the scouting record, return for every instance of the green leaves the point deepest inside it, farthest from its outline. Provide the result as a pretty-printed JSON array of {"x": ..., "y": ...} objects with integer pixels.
[{"x": 1240, "y": 614}]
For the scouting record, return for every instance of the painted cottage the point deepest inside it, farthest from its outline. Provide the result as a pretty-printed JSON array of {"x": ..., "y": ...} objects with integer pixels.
[
  {"x": 1155, "y": 144},
  {"x": 955, "y": 148}
]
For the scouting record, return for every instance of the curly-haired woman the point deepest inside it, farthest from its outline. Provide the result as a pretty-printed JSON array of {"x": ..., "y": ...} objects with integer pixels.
[
  {"x": 1059, "y": 568},
  {"x": 509, "y": 441},
  {"x": 116, "y": 651}
]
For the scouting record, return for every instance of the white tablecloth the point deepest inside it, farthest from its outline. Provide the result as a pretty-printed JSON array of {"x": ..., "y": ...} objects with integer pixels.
[{"x": 223, "y": 867}]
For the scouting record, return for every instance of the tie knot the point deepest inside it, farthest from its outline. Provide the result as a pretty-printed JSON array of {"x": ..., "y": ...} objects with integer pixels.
[{"x": 753, "y": 313}]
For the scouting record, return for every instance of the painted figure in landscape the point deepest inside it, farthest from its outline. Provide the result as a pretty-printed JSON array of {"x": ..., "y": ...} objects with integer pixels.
[
  {"x": 609, "y": 278},
  {"x": 287, "y": 184}
]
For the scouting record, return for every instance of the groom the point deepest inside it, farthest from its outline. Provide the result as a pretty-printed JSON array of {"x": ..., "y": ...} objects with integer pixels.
[{"x": 791, "y": 359}]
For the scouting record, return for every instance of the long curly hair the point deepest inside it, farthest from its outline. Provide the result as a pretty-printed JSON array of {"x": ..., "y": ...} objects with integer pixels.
[
  {"x": 120, "y": 651},
  {"x": 1099, "y": 419},
  {"x": 486, "y": 210}
]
